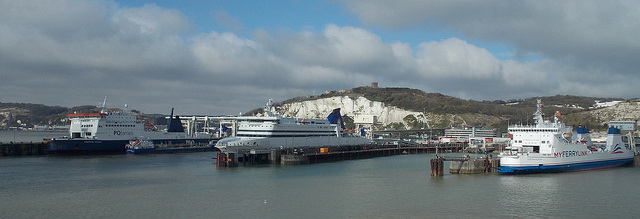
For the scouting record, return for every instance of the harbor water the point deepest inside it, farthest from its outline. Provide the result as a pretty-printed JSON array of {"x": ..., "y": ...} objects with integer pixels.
[{"x": 190, "y": 186}]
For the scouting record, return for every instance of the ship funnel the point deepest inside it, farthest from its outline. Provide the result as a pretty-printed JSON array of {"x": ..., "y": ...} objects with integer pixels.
[
  {"x": 174, "y": 124},
  {"x": 583, "y": 136},
  {"x": 614, "y": 140},
  {"x": 336, "y": 118}
]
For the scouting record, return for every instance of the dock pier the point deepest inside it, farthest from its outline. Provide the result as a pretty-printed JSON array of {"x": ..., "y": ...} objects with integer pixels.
[
  {"x": 295, "y": 156},
  {"x": 23, "y": 149}
]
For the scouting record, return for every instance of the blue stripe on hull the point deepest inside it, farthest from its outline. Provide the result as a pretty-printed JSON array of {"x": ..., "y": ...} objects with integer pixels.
[
  {"x": 181, "y": 141},
  {"x": 563, "y": 167},
  {"x": 84, "y": 146},
  {"x": 168, "y": 150}
]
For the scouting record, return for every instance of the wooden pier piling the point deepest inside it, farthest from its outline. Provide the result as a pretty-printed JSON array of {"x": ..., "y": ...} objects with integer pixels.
[
  {"x": 437, "y": 167},
  {"x": 464, "y": 165}
]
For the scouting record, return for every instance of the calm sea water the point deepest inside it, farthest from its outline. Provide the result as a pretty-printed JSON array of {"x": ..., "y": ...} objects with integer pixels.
[{"x": 190, "y": 186}]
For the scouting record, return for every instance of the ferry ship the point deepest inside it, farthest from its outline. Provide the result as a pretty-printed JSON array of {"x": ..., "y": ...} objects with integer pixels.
[
  {"x": 276, "y": 132},
  {"x": 108, "y": 133},
  {"x": 549, "y": 147}
]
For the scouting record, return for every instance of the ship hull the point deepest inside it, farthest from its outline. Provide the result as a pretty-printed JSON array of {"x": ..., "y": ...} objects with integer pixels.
[
  {"x": 557, "y": 167},
  {"x": 83, "y": 146},
  {"x": 184, "y": 148},
  {"x": 86, "y": 147},
  {"x": 168, "y": 150}
]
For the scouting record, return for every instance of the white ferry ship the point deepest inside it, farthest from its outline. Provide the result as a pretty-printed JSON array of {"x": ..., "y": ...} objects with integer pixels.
[
  {"x": 553, "y": 147},
  {"x": 108, "y": 133},
  {"x": 276, "y": 132}
]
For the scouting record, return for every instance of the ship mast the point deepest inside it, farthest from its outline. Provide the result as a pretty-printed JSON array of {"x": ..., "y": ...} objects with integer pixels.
[
  {"x": 104, "y": 105},
  {"x": 268, "y": 109},
  {"x": 538, "y": 115}
]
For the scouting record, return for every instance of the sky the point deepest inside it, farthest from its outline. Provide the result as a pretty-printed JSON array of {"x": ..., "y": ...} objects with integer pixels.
[{"x": 224, "y": 57}]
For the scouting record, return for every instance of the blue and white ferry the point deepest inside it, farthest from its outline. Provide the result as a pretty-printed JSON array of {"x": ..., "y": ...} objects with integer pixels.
[
  {"x": 108, "y": 133},
  {"x": 549, "y": 147}
]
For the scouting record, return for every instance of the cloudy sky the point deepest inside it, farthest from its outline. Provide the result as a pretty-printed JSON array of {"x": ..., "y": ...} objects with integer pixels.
[{"x": 231, "y": 56}]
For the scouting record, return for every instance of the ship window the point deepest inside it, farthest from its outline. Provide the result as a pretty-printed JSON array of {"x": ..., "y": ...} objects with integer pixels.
[{"x": 87, "y": 133}]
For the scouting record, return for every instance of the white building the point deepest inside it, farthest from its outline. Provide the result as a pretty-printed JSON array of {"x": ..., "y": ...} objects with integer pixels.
[
  {"x": 471, "y": 132},
  {"x": 599, "y": 104}
]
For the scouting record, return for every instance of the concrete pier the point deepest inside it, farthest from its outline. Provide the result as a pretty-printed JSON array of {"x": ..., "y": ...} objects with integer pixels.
[
  {"x": 293, "y": 159},
  {"x": 293, "y": 156},
  {"x": 23, "y": 149}
]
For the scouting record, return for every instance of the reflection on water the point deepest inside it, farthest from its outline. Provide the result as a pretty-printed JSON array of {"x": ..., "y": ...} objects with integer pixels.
[{"x": 527, "y": 195}]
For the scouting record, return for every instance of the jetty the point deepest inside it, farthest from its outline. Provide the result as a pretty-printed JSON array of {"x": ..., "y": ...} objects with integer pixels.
[
  {"x": 295, "y": 156},
  {"x": 23, "y": 149}
]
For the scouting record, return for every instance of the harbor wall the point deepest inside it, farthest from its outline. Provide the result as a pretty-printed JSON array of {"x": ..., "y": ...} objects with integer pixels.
[{"x": 293, "y": 159}]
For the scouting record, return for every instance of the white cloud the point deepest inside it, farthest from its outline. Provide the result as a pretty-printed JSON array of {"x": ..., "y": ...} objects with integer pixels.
[
  {"x": 57, "y": 19},
  {"x": 141, "y": 56},
  {"x": 227, "y": 55},
  {"x": 458, "y": 59},
  {"x": 586, "y": 34}
]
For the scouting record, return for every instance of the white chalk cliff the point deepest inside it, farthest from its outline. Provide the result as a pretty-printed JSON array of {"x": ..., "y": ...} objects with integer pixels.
[{"x": 352, "y": 106}]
